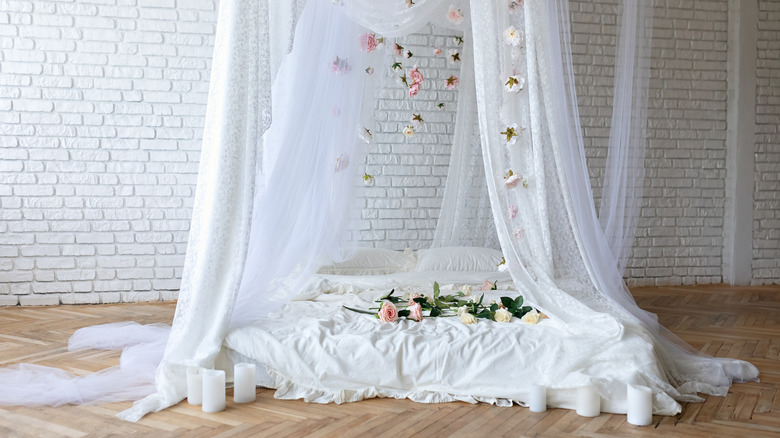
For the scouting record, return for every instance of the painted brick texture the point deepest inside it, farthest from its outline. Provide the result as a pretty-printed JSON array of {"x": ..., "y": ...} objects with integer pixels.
[
  {"x": 101, "y": 112},
  {"x": 766, "y": 196}
]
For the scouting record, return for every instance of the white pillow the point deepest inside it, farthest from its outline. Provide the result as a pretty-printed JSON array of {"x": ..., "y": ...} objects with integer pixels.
[
  {"x": 458, "y": 259},
  {"x": 371, "y": 261}
]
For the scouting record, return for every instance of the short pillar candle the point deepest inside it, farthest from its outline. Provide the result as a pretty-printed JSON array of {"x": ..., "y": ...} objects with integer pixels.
[
  {"x": 538, "y": 398},
  {"x": 640, "y": 405},
  {"x": 195, "y": 385},
  {"x": 588, "y": 402},
  {"x": 213, "y": 391},
  {"x": 244, "y": 383}
]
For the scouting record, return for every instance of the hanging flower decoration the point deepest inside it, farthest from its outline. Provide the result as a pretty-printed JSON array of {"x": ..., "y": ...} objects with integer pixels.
[
  {"x": 512, "y": 132},
  {"x": 440, "y": 106},
  {"x": 437, "y": 52},
  {"x": 514, "y": 6},
  {"x": 451, "y": 82},
  {"x": 454, "y": 15},
  {"x": 365, "y": 134},
  {"x": 340, "y": 66},
  {"x": 502, "y": 265},
  {"x": 454, "y": 56},
  {"x": 519, "y": 234},
  {"x": 513, "y": 37},
  {"x": 417, "y": 120},
  {"x": 409, "y": 132},
  {"x": 409, "y": 3},
  {"x": 512, "y": 180},
  {"x": 396, "y": 66},
  {"x": 414, "y": 81},
  {"x": 458, "y": 40},
  {"x": 398, "y": 50},
  {"x": 512, "y": 211},
  {"x": 369, "y": 70},
  {"x": 408, "y": 54},
  {"x": 514, "y": 83},
  {"x": 342, "y": 162},
  {"x": 369, "y": 42},
  {"x": 368, "y": 179}
]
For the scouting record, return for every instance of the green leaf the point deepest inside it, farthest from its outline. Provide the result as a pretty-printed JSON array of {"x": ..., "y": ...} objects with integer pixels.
[
  {"x": 484, "y": 314},
  {"x": 508, "y": 303},
  {"x": 435, "y": 311},
  {"x": 403, "y": 313},
  {"x": 361, "y": 311},
  {"x": 495, "y": 285},
  {"x": 422, "y": 301},
  {"x": 387, "y": 296},
  {"x": 482, "y": 297},
  {"x": 435, "y": 290},
  {"x": 518, "y": 301},
  {"x": 493, "y": 307},
  {"x": 526, "y": 309}
]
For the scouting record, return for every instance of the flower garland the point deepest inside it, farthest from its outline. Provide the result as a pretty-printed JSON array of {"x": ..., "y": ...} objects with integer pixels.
[{"x": 461, "y": 304}]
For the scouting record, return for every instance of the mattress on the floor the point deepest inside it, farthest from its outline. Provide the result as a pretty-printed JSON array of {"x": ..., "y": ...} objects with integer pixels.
[{"x": 314, "y": 349}]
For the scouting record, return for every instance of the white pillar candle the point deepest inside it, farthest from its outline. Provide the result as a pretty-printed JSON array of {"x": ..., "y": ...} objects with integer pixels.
[
  {"x": 244, "y": 383},
  {"x": 640, "y": 405},
  {"x": 588, "y": 402},
  {"x": 213, "y": 391},
  {"x": 537, "y": 402},
  {"x": 195, "y": 385}
]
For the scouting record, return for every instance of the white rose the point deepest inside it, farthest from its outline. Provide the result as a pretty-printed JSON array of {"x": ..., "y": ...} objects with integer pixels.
[
  {"x": 462, "y": 310},
  {"x": 468, "y": 318},
  {"x": 466, "y": 289},
  {"x": 503, "y": 315},
  {"x": 531, "y": 317}
]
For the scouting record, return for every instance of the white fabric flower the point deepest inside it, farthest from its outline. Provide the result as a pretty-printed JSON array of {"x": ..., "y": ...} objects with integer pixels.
[
  {"x": 409, "y": 132},
  {"x": 514, "y": 83},
  {"x": 503, "y": 315},
  {"x": 462, "y": 310},
  {"x": 513, "y": 37},
  {"x": 468, "y": 318}
]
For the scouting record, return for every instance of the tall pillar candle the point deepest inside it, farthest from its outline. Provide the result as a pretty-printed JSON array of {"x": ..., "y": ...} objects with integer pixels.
[
  {"x": 537, "y": 402},
  {"x": 213, "y": 391},
  {"x": 195, "y": 385},
  {"x": 244, "y": 383},
  {"x": 588, "y": 402},
  {"x": 640, "y": 405}
]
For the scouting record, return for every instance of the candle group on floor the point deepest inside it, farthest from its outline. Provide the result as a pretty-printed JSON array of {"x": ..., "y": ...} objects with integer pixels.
[
  {"x": 207, "y": 387},
  {"x": 639, "y": 402}
]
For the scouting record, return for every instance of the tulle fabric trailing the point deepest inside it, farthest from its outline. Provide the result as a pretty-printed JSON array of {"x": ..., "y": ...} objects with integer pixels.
[{"x": 142, "y": 349}]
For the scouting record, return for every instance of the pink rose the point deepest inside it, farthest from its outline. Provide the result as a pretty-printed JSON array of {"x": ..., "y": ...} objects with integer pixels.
[
  {"x": 412, "y": 297},
  {"x": 415, "y": 75},
  {"x": 368, "y": 42},
  {"x": 415, "y": 312},
  {"x": 414, "y": 89},
  {"x": 388, "y": 312},
  {"x": 487, "y": 285}
]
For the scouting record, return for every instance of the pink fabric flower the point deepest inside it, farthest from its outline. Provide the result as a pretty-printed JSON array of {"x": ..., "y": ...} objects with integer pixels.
[
  {"x": 512, "y": 181},
  {"x": 437, "y": 52},
  {"x": 415, "y": 88},
  {"x": 487, "y": 285},
  {"x": 368, "y": 42},
  {"x": 451, "y": 82},
  {"x": 519, "y": 233},
  {"x": 388, "y": 312},
  {"x": 415, "y": 312},
  {"x": 415, "y": 75},
  {"x": 397, "y": 50},
  {"x": 512, "y": 211},
  {"x": 455, "y": 15}
]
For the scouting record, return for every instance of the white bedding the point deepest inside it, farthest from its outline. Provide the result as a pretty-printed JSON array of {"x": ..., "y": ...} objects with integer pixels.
[{"x": 314, "y": 349}]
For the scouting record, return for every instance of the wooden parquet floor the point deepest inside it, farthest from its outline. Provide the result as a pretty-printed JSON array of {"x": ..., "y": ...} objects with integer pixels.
[{"x": 720, "y": 320}]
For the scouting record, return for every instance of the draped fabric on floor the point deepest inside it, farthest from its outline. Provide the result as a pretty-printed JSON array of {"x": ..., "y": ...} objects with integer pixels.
[{"x": 274, "y": 197}]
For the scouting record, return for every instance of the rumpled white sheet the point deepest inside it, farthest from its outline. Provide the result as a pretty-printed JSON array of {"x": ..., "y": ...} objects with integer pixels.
[{"x": 320, "y": 352}]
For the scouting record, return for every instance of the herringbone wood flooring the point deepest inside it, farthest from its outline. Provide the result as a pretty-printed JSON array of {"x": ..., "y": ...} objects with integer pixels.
[{"x": 722, "y": 321}]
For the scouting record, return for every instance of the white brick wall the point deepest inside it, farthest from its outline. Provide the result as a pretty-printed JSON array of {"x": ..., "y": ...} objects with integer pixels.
[
  {"x": 101, "y": 113},
  {"x": 766, "y": 197},
  {"x": 679, "y": 236}
]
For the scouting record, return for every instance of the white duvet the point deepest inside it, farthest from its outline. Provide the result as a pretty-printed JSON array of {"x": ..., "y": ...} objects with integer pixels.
[{"x": 314, "y": 349}]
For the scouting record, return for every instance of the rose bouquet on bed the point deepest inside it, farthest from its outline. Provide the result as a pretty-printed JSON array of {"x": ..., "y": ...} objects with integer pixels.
[{"x": 460, "y": 303}]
